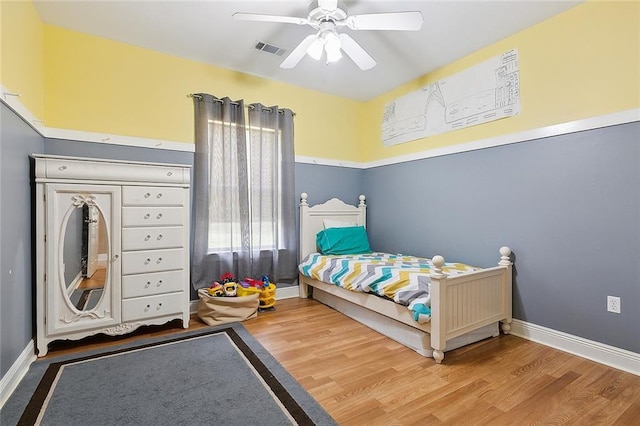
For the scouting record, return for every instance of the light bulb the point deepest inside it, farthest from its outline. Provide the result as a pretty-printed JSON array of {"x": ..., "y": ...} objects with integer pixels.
[
  {"x": 332, "y": 47},
  {"x": 315, "y": 49},
  {"x": 333, "y": 55}
]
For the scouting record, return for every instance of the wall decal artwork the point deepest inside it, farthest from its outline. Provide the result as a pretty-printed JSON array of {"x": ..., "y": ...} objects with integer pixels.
[{"x": 485, "y": 92}]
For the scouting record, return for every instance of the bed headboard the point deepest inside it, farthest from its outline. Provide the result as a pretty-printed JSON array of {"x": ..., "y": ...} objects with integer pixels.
[{"x": 312, "y": 219}]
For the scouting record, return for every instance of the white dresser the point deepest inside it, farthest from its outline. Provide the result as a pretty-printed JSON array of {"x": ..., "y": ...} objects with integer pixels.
[{"x": 112, "y": 246}]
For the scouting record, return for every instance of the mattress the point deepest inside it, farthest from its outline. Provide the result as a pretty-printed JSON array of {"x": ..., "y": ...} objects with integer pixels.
[{"x": 401, "y": 278}]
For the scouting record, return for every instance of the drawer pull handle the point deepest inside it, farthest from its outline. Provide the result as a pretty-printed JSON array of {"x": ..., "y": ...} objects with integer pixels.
[
  {"x": 159, "y": 260},
  {"x": 61, "y": 168},
  {"x": 169, "y": 173},
  {"x": 159, "y": 195},
  {"x": 147, "y": 238},
  {"x": 159, "y": 283},
  {"x": 159, "y": 306},
  {"x": 115, "y": 257},
  {"x": 147, "y": 216},
  {"x": 159, "y": 216},
  {"x": 159, "y": 237},
  {"x": 147, "y": 284},
  {"x": 147, "y": 308},
  {"x": 147, "y": 195},
  {"x": 146, "y": 262}
]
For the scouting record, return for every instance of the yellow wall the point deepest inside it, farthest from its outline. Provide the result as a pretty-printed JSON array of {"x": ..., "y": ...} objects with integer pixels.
[
  {"x": 582, "y": 63},
  {"x": 21, "y": 47},
  {"x": 98, "y": 85}
]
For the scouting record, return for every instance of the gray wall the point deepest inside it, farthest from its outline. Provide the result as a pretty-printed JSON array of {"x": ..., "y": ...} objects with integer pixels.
[
  {"x": 322, "y": 183},
  {"x": 17, "y": 141},
  {"x": 568, "y": 206},
  {"x": 115, "y": 152}
]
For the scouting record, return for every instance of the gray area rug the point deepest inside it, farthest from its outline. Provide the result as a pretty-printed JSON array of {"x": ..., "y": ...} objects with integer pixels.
[{"x": 216, "y": 376}]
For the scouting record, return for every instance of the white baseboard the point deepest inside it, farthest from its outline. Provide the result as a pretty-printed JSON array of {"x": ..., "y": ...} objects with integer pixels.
[
  {"x": 287, "y": 292},
  {"x": 599, "y": 352},
  {"x": 17, "y": 371}
]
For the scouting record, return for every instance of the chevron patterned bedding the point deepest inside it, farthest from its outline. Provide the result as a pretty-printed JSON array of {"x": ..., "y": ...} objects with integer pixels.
[{"x": 403, "y": 279}]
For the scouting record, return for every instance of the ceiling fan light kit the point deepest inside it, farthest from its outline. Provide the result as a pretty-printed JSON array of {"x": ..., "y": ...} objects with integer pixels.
[
  {"x": 315, "y": 49},
  {"x": 326, "y": 16}
]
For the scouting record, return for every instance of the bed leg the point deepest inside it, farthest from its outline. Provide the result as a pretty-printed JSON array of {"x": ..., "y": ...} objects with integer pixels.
[
  {"x": 438, "y": 355},
  {"x": 506, "y": 326},
  {"x": 303, "y": 289},
  {"x": 505, "y": 260}
]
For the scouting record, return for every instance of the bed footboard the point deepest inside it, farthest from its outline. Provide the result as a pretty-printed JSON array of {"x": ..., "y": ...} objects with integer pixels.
[{"x": 466, "y": 302}]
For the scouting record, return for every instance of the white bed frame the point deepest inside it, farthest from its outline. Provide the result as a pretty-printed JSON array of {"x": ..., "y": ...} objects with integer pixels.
[{"x": 464, "y": 308}]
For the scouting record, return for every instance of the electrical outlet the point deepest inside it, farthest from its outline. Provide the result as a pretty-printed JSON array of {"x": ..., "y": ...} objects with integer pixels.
[{"x": 613, "y": 304}]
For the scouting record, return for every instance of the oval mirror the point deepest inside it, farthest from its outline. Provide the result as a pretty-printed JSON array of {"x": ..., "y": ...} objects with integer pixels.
[{"x": 84, "y": 253}]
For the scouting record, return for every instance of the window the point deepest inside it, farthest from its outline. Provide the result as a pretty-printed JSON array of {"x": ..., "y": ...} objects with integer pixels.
[
  {"x": 260, "y": 192},
  {"x": 244, "y": 200}
]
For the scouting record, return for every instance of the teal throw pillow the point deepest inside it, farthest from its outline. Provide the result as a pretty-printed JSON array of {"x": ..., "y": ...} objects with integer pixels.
[{"x": 349, "y": 240}]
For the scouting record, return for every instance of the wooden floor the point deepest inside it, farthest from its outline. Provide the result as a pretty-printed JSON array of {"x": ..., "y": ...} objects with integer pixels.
[
  {"x": 361, "y": 377},
  {"x": 97, "y": 280}
]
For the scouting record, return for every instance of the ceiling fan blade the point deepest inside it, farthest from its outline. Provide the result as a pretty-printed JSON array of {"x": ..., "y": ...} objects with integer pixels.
[
  {"x": 356, "y": 53},
  {"x": 270, "y": 18},
  {"x": 298, "y": 53},
  {"x": 329, "y": 5},
  {"x": 400, "y": 21}
]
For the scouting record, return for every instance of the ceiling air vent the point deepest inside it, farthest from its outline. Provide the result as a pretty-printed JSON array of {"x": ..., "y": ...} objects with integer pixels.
[{"x": 269, "y": 48}]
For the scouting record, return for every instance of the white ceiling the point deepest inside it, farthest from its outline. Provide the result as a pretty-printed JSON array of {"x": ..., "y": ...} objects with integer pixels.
[{"x": 205, "y": 31}]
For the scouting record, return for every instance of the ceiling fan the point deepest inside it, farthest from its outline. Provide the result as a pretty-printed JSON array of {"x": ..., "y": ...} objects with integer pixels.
[{"x": 327, "y": 16}]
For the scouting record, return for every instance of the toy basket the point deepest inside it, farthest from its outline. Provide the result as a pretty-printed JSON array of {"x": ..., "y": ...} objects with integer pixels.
[
  {"x": 266, "y": 296},
  {"x": 221, "y": 310}
]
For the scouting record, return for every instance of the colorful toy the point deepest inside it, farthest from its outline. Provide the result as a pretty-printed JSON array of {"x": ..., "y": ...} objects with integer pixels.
[
  {"x": 265, "y": 290},
  {"x": 230, "y": 289},
  {"x": 227, "y": 277},
  {"x": 254, "y": 283},
  {"x": 267, "y": 295},
  {"x": 216, "y": 289}
]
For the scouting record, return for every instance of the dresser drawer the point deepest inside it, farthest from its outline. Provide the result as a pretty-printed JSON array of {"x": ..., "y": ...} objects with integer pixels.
[
  {"x": 152, "y": 238},
  {"x": 155, "y": 283},
  {"x": 98, "y": 170},
  {"x": 152, "y": 196},
  {"x": 152, "y": 216},
  {"x": 139, "y": 262},
  {"x": 152, "y": 306}
]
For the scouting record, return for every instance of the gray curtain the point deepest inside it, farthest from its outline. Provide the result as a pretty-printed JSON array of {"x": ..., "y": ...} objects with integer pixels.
[{"x": 244, "y": 200}]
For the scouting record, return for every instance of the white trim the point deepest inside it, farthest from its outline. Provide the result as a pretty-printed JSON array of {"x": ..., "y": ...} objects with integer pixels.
[
  {"x": 329, "y": 162},
  {"x": 622, "y": 117},
  {"x": 287, "y": 292},
  {"x": 12, "y": 100},
  {"x": 193, "y": 306},
  {"x": 599, "y": 352},
  {"x": 82, "y": 136},
  {"x": 12, "y": 378},
  {"x": 613, "y": 119},
  {"x": 74, "y": 284},
  {"x": 628, "y": 116}
]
